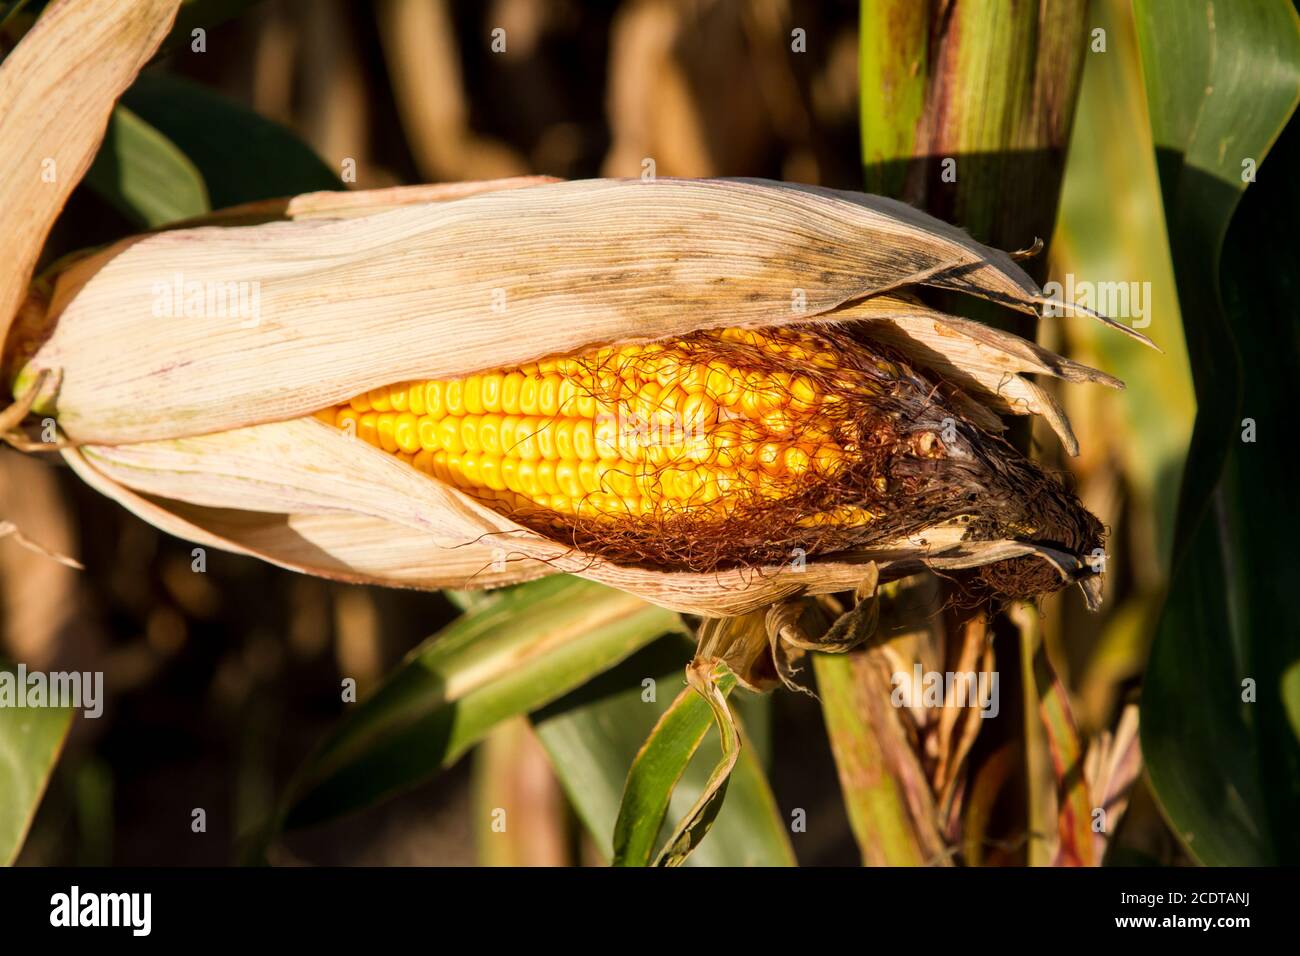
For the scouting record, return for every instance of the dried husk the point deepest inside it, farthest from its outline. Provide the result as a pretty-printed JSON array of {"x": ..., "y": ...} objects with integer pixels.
[
  {"x": 57, "y": 88},
  {"x": 409, "y": 292},
  {"x": 196, "y": 423}
]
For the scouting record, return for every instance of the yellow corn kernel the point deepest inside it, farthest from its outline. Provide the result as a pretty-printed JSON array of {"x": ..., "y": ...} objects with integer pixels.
[
  {"x": 566, "y": 476},
  {"x": 546, "y": 439},
  {"x": 528, "y": 483},
  {"x": 489, "y": 434},
  {"x": 751, "y": 397},
  {"x": 605, "y": 436},
  {"x": 796, "y": 460},
  {"x": 449, "y": 435},
  {"x": 803, "y": 393},
  {"x": 564, "y": 438},
  {"x": 546, "y": 477},
  {"x": 433, "y": 400},
  {"x": 472, "y": 394},
  {"x": 453, "y": 397},
  {"x": 584, "y": 439},
  {"x": 490, "y": 392},
  {"x": 454, "y": 470},
  {"x": 469, "y": 433},
  {"x": 406, "y": 433},
  {"x": 548, "y": 395},
  {"x": 566, "y": 399},
  {"x": 528, "y": 403},
  {"x": 778, "y": 422},
  {"x": 510, "y": 386},
  {"x": 526, "y": 440},
  {"x": 440, "y": 468},
  {"x": 345, "y": 419},
  {"x": 469, "y": 468},
  {"x": 489, "y": 472},
  {"x": 384, "y": 425},
  {"x": 771, "y": 457},
  {"x": 415, "y": 398}
]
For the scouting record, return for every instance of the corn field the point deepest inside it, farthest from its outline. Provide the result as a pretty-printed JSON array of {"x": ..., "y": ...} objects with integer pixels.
[{"x": 658, "y": 433}]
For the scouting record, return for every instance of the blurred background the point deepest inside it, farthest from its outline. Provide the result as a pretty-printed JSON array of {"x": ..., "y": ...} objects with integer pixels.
[{"x": 220, "y": 683}]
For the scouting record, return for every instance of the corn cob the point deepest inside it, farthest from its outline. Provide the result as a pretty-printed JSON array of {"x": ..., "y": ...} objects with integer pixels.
[
  {"x": 722, "y": 448},
  {"x": 689, "y": 432},
  {"x": 656, "y": 430}
]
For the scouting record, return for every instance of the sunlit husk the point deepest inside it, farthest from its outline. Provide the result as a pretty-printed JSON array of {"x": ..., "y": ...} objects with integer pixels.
[
  {"x": 444, "y": 289},
  {"x": 57, "y": 89}
]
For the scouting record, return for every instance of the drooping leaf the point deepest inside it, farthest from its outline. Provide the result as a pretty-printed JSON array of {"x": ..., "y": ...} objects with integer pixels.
[
  {"x": 57, "y": 90},
  {"x": 534, "y": 644},
  {"x": 595, "y": 734},
  {"x": 712, "y": 681},
  {"x": 658, "y": 767}
]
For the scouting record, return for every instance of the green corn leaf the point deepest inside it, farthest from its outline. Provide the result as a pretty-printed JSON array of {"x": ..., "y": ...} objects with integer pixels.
[
  {"x": 243, "y": 156},
  {"x": 658, "y": 767},
  {"x": 1222, "y": 81},
  {"x": 535, "y": 643},
  {"x": 595, "y": 735},
  {"x": 966, "y": 109},
  {"x": 712, "y": 684},
  {"x": 142, "y": 174},
  {"x": 31, "y": 739}
]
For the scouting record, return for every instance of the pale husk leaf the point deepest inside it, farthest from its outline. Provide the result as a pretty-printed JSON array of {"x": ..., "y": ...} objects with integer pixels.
[
  {"x": 57, "y": 89},
  {"x": 350, "y": 547},
  {"x": 349, "y": 304},
  {"x": 983, "y": 363}
]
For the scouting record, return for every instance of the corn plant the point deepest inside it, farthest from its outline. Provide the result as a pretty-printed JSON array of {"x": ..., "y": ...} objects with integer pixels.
[{"x": 675, "y": 446}]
